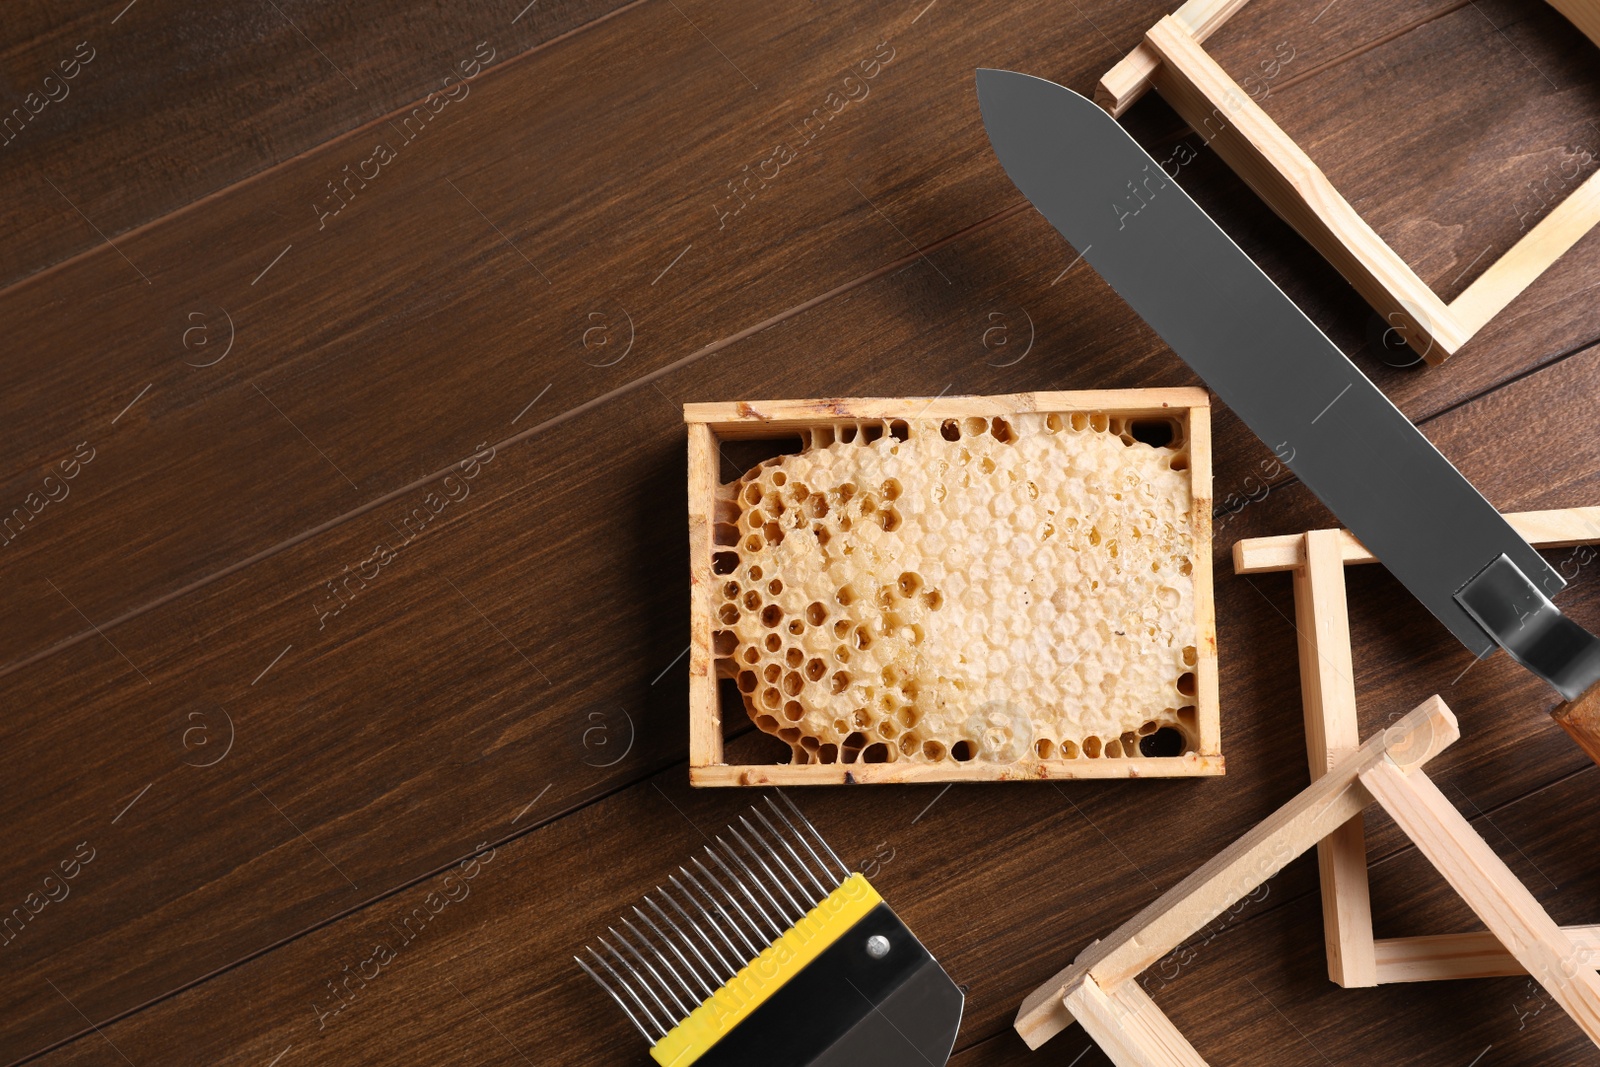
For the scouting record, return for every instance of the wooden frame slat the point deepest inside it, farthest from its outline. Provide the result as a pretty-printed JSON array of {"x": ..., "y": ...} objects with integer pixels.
[
  {"x": 1328, "y": 693},
  {"x": 1292, "y": 185},
  {"x": 1559, "y": 528},
  {"x": 705, "y": 730},
  {"x": 1128, "y": 1026},
  {"x": 1481, "y": 878},
  {"x": 1531, "y": 256},
  {"x": 1479, "y": 954},
  {"x": 1126, "y": 82}
]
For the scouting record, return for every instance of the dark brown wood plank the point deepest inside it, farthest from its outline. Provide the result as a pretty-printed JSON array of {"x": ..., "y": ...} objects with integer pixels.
[
  {"x": 325, "y": 437},
  {"x": 559, "y": 542},
  {"x": 441, "y": 258},
  {"x": 1496, "y": 127},
  {"x": 490, "y": 975},
  {"x": 1508, "y": 92},
  {"x": 1267, "y": 46},
  {"x": 390, "y": 731},
  {"x": 415, "y": 722},
  {"x": 1474, "y": 160},
  {"x": 132, "y": 111}
]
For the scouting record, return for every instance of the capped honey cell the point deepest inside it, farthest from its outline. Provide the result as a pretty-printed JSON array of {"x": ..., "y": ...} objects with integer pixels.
[{"x": 940, "y": 590}]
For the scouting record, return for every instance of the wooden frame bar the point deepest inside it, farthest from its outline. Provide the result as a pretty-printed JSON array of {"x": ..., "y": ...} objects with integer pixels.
[
  {"x": 709, "y": 500},
  {"x": 1221, "y": 111},
  {"x": 1317, "y": 560},
  {"x": 1475, "y": 955},
  {"x": 1562, "y": 528},
  {"x": 1328, "y": 693},
  {"x": 1100, "y": 989},
  {"x": 1128, "y": 1026}
]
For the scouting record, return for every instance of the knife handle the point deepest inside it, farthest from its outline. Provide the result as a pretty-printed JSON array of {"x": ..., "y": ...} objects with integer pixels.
[{"x": 1581, "y": 719}]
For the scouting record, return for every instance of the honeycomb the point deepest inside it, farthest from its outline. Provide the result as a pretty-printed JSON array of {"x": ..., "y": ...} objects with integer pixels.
[{"x": 929, "y": 590}]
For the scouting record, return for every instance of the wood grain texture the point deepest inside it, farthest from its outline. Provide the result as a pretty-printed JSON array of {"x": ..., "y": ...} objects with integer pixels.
[
  {"x": 1126, "y": 82},
  {"x": 333, "y": 375},
  {"x": 1281, "y": 173},
  {"x": 1584, "y": 14},
  {"x": 1535, "y": 251},
  {"x": 450, "y": 254},
  {"x": 508, "y": 733},
  {"x": 1556, "y": 528},
  {"x": 175, "y": 105},
  {"x": 1581, "y": 719},
  {"x": 705, "y": 719},
  {"x": 1222, "y": 111},
  {"x": 1128, "y": 1027},
  {"x": 1434, "y": 957},
  {"x": 415, "y": 724},
  {"x": 266, "y": 1003},
  {"x": 1514, "y": 139}
]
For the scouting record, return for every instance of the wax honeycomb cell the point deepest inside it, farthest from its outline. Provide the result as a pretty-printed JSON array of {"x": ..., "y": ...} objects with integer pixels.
[{"x": 1001, "y": 589}]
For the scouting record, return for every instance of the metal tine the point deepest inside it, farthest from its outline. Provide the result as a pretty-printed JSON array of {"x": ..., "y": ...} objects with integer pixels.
[
  {"x": 799, "y": 909},
  {"x": 799, "y": 864},
  {"x": 765, "y": 940},
  {"x": 634, "y": 1019},
  {"x": 777, "y": 931},
  {"x": 707, "y": 967},
  {"x": 755, "y": 879},
  {"x": 820, "y": 839},
  {"x": 827, "y": 872},
  {"x": 644, "y": 1009},
  {"x": 699, "y": 979},
  {"x": 666, "y": 963},
  {"x": 783, "y": 865},
  {"x": 728, "y": 919},
  {"x": 641, "y": 983},
  {"x": 740, "y": 930},
  {"x": 625, "y": 943},
  {"x": 727, "y": 971},
  {"x": 755, "y": 905},
  {"x": 712, "y": 919}
]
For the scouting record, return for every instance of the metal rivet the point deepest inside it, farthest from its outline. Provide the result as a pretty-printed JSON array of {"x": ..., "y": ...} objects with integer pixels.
[{"x": 877, "y": 946}]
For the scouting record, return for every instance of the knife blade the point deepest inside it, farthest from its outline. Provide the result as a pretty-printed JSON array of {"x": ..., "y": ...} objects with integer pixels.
[{"x": 1283, "y": 377}]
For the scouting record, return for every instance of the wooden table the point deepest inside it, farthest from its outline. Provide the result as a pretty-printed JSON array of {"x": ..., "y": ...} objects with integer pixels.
[{"x": 344, "y": 522}]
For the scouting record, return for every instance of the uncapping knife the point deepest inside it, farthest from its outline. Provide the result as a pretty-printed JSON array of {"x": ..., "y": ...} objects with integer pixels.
[{"x": 1289, "y": 383}]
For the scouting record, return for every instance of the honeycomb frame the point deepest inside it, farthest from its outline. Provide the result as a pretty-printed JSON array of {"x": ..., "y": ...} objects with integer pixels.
[{"x": 712, "y": 503}]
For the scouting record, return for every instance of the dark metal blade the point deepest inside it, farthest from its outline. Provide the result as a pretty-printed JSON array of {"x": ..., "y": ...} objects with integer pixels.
[
  {"x": 1216, "y": 309},
  {"x": 915, "y": 1026},
  {"x": 873, "y": 998}
]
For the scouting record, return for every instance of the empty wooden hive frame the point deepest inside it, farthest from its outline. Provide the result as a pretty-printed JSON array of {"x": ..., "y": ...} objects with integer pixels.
[
  {"x": 1100, "y": 989},
  {"x": 1221, "y": 110}
]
